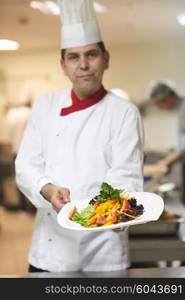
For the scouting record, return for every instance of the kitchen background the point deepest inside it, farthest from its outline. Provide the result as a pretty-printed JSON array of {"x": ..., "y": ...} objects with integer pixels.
[{"x": 146, "y": 42}]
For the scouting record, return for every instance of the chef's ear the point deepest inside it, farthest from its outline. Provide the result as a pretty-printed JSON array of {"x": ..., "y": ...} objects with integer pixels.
[
  {"x": 62, "y": 63},
  {"x": 106, "y": 57}
]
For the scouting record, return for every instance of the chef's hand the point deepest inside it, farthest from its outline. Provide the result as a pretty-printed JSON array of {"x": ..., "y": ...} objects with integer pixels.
[
  {"x": 58, "y": 196},
  {"x": 162, "y": 162}
]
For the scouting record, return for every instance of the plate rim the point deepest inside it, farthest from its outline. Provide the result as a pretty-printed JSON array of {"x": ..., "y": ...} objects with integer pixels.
[{"x": 113, "y": 226}]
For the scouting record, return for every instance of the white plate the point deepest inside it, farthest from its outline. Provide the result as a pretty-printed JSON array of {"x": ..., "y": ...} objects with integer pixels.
[{"x": 153, "y": 207}]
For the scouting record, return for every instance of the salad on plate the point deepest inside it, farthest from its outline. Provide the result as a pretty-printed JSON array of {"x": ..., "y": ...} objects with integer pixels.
[{"x": 111, "y": 206}]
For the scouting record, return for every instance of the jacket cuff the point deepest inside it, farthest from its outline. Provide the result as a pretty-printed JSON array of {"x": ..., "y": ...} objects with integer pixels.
[{"x": 40, "y": 201}]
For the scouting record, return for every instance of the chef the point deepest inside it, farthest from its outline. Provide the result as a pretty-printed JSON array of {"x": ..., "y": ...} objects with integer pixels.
[
  {"x": 76, "y": 139},
  {"x": 163, "y": 95}
]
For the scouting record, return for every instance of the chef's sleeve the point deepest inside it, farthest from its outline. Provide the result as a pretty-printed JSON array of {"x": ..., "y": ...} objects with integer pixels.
[
  {"x": 181, "y": 146},
  {"x": 30, "y": 164},
  {"x": 126, "y": 171},
  {"x": 181, "y": 135}
]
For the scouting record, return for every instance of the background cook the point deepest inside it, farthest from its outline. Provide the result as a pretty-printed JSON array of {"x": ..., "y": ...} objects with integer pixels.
[{"x": 164, "y": 96}]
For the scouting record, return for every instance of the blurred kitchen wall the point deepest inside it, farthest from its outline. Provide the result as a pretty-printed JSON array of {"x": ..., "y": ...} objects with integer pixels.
[{"x": 132, "y": 66}]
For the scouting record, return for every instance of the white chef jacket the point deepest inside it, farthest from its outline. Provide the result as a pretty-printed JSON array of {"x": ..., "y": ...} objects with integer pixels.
[{"x": 102, "y": 143}]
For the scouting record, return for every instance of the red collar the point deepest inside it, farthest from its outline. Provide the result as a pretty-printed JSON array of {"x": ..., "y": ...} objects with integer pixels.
[{"x": 78, "y": 104}]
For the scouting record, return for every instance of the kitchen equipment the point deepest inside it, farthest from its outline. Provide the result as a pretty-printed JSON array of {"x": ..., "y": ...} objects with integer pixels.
[
  {"x": 160, "y": 227},
  {"x": 165, "y": 189},
  {"x": 152, "y": 177}
]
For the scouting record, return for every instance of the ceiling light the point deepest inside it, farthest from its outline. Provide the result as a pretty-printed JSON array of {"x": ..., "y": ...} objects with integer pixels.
[
  {"x": 50, "y": 7},
  {"x": 47, "y": 7},
  {"x": 8, "y": 45},
  {"x": 99, "y": 8},
  {"x": 121, "y": 93},
  {"x": 181, "y": 19}
]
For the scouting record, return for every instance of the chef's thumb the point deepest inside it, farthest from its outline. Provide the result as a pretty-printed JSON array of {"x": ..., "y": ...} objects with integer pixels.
[{"x": 66, "y": 195}]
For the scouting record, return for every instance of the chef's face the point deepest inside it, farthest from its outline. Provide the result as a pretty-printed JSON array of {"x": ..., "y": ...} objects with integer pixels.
[
  {"x": 167, "y": 103},
  {"x": 85, "y": 66}
]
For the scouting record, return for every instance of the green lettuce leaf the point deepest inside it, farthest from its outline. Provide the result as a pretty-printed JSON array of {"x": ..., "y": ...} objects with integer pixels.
[
  {"x": 82, "y": 216},
  {"x": 108, "y": 192}
]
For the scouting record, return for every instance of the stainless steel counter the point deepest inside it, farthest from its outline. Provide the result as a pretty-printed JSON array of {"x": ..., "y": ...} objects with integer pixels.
[
  {"x": 130, "y": 273},
  {"x": 155, "y": 249}
]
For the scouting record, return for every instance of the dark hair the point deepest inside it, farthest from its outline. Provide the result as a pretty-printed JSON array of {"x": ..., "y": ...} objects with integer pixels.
[
  {"x": 100, "y": 44},
  {"x": 162, "y": 90}
]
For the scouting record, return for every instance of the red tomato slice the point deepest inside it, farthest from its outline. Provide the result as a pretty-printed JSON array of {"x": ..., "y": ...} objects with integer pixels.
[
  {"x": 126, "y": 205},
  {"x": 101, "y": 220},
  {"x": 114, "y": 218}
]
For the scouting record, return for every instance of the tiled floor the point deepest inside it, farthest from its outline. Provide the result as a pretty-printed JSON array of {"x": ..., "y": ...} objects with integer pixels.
[{"x": 15, "y": 237}]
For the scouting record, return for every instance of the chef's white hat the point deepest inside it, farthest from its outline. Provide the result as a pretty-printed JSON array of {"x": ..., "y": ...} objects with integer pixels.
[
  {"x": 158, "y": 88},
  {"x": 79, "y": 23}
]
